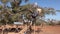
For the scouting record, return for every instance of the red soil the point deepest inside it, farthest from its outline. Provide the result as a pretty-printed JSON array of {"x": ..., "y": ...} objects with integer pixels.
[
  {"x": 49, "y": 30},
  {"x": 46, "y": 30}
]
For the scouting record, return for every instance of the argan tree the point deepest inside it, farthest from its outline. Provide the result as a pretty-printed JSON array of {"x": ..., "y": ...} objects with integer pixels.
[{"x": 13, "y": 13}]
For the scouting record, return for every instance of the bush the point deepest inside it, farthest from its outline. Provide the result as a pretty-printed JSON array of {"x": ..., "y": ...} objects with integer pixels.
[
  {"x": 58, "y": 23},
  {"x": 38, "y": 23}
]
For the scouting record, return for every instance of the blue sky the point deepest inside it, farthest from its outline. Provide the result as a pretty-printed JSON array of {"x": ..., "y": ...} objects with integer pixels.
[{"x": 48, "y": 3}]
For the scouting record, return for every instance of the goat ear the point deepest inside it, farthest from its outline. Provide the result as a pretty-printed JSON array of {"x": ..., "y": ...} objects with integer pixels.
[{"x": 39, "y": 10}]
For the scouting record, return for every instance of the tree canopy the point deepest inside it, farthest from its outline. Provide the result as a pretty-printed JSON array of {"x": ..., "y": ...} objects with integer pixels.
[{"x": 14, "y": 13}]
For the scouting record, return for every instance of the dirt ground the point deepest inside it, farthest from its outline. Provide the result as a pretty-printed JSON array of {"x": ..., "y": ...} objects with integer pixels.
[
  {"x": 49, "y": 30},
  {"x": 45, "y": 30}
]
